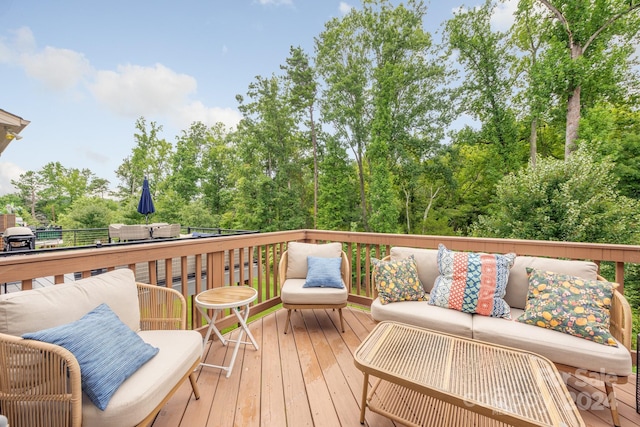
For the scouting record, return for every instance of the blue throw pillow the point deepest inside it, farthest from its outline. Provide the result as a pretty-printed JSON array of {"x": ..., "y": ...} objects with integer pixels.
[
  {"x": 323, "y": 273},
  {"x": 107, "y": 350}
]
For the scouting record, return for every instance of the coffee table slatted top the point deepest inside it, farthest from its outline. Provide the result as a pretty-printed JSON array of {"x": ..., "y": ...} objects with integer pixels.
[{"x": 510, "y": 385}]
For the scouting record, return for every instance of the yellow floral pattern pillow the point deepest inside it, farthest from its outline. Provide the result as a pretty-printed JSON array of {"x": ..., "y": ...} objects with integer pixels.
[
  {"x": 397, "y": 280},
  {"x": 569, "y": 304}
]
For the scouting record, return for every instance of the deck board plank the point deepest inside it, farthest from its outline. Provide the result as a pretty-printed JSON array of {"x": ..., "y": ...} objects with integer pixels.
[
  {"x": 308, "y": 378},
  {"x": 272, "y": 407},
  {"x": 319, "y": 397},
  {"x": 295, "y": 395},
  {"x": 249, "y": 402}
]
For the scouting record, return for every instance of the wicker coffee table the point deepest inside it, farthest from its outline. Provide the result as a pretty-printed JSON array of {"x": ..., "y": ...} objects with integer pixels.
[{"x": 427, "y": 378}]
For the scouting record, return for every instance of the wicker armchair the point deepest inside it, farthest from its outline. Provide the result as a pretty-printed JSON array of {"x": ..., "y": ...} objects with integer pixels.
[
  {"x": 293, "y": 294},
  {"x": 40, "y": 383}
]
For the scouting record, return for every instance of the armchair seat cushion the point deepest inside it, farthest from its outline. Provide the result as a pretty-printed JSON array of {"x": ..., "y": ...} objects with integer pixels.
[
  {"x": 294, "y": 292},
  {"x": 146, "y": 388}
]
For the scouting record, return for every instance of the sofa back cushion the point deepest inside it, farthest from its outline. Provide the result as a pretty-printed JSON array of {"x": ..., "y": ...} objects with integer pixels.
[
  {"x": 518, "y": 284},
  {"x": 426, "y": 262},
  {"x": 33, "y": 310}
]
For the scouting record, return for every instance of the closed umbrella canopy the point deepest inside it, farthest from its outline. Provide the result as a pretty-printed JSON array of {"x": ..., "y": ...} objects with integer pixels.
[{"x": 145, "y": 205}]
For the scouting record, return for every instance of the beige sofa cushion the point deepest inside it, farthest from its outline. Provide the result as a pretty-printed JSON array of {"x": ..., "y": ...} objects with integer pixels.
[
  {"x": 297, "y": 254},
  {"x": 146, "y": 388},
  {"x": 426, "y": 261},
  {"x": 420, "y": 313},
  {"x": 33, "y": 310},
  {"x": 518, "y": 284},
  {"x": 293, "y": 293},
  {"x": 555, "y": 346}
]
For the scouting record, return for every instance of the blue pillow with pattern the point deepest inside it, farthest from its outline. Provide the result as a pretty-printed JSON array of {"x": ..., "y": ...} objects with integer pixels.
[
  {"x": 107, "y": 350},
  {"x": 323, "y": 273}
]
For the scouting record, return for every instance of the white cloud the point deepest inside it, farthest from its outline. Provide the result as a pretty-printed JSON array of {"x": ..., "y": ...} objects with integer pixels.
[
  {"x": 57, "y": 69},
  {"x": 345, "y": 8},
  {"x": 130, "y": 91},
  {"x": 503, "y": 18},
  {"x": 135, "y": 91},
  {"x": 197, "y": 112},
  {"x": 9, "y": 171}
]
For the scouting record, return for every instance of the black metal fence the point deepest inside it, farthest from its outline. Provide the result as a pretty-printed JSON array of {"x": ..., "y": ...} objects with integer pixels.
[{"x": 54, "y": 238}]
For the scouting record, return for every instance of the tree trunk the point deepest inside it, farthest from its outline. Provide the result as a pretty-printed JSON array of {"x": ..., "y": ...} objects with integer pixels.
[
  {"x": 533, "y": 141},
  {"x": 315, "y": 168},
  {"x": 363, "y": 199},
  {"x": 573, "y": 119},
  {"x": 573, "y": 107}
]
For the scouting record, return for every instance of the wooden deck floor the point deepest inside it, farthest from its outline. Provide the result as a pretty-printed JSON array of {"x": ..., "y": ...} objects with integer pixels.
[{"x": 308, "y": 378}]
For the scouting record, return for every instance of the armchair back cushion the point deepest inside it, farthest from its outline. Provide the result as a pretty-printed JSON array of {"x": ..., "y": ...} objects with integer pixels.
[
  {"x": 298, "y": 253},
  {"x": 22, "y": 312}
]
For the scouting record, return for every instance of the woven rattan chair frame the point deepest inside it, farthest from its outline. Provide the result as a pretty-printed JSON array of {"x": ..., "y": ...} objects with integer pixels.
[{"x": 40, "y": 383}]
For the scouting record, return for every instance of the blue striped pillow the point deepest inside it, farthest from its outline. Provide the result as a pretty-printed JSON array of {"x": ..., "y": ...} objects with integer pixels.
[
  {"x": 323, "y": 273},
  {"x": 107, "y": 350}
]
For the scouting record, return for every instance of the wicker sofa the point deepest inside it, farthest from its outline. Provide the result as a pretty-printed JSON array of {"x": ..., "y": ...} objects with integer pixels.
[
  {"x": 44, "y": 384},
  {"x": 570, "y": 353}
]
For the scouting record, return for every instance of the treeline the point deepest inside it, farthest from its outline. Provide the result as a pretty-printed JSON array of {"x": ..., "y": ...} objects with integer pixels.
[{"x": 359, "y": 136}]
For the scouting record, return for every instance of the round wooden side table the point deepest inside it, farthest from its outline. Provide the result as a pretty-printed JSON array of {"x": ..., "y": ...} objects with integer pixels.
[{"x": 236, "y": 298}]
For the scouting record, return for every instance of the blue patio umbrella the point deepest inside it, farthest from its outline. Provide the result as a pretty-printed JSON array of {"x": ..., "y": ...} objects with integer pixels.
[{"x": 145, "y": 205}]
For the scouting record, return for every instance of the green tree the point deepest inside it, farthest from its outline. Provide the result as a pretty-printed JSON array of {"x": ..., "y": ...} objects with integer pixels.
[
  {"x": 338, "y": 202},
  {"x": 188, "y": 167},
  {"x": 573, "y": 200},
  {"x": 384, "y": 91},
  {"x": 303, "y": 93},
  {"x": 29, "y": 185},
  {"x": 271, "y": 192},
  {"x": 592, "y": 43},
  {"x": 151, "y": 157},
  {"x": 614, "y": 132},
  {"x": 487, "y": 87},
  {"x": 89, "y": 212}
]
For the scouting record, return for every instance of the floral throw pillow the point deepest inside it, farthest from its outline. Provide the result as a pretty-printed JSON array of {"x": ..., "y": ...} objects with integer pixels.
[
  {"x": 569, "y": 304},
  {"x": 397, "y": 280},
  {"x": 472, "y": 282}
]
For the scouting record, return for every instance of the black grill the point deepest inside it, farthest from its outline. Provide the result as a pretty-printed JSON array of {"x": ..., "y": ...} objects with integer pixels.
[{"x": 21, "y": 241}]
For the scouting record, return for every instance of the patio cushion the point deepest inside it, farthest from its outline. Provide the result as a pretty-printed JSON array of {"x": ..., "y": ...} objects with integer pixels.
[
  {"x": 472, "y": 282},
  {"x": 146, "y": 388},
  {"x": 569, "y": 304},
  {"x": 397, "y": 280},
  {"x": 556, "y": 346},
  {"x": 298, "y": 253},
  {"x": 107, "y": 350},
  {"x": 294, "y": 292},
  {"x": 424, "y": 315},
  {"x": 426, "y": 263},
  {"x": 323, "y": 273}
]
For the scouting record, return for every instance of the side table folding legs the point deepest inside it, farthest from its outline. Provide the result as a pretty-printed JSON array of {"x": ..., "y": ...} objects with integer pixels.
[{"x": 236, "y": 298}]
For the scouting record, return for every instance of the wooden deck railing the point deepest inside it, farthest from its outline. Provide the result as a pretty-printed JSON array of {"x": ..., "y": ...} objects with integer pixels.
[{"x": 253, "y": 258}]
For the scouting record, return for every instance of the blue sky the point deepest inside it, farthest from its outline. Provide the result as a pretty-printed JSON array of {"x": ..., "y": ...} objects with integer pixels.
[{"x": 83, "y": 72}]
